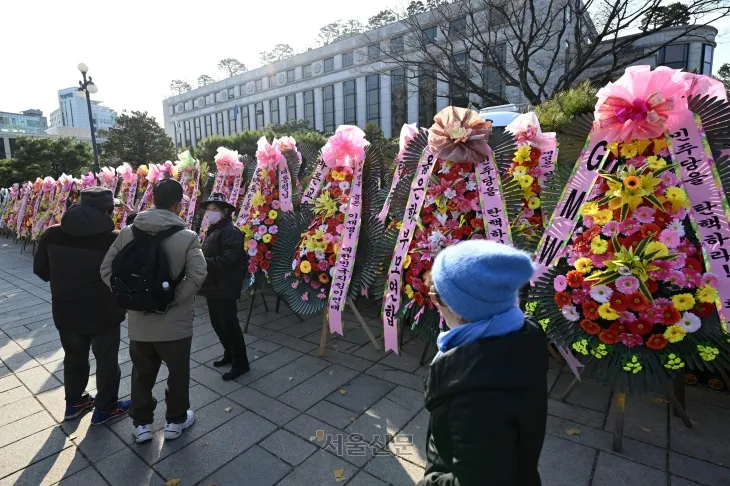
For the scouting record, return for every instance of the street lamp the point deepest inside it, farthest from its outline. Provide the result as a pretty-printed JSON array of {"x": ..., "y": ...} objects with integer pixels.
[{"x": 87, "y": 87}]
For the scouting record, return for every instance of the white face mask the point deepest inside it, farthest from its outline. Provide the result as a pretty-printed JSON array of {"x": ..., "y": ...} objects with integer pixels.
[{"x": 213, "y": 216}]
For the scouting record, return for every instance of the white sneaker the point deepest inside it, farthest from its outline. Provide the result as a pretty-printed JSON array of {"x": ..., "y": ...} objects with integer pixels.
[
  {"x": 142, "y": 433},
  {"x": 173, "y": 431}
]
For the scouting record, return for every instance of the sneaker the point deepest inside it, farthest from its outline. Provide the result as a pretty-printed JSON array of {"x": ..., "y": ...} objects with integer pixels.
[
  {"x": 102, "y": 417},
  {"x": 142, "y": 433},
  {"x": 173, "y": 431},
  {"x": 235, "y": 372},
  {"x": 76, "y": 409}
]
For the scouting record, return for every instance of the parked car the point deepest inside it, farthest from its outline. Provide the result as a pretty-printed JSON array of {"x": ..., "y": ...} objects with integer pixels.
[{"x": 500, "y": 116}]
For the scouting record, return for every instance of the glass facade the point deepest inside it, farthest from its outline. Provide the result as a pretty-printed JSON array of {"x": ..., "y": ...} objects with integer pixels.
[
  {"x": 707, "y": 53},
  {"x": 291, "y": 108},
  {"x": 347, "y": 59},
  {"x": 458, "y": 92},
  {"x": 675, "y": 56},
  {"x": 198, "y": 133},
  {"x": 309, "y": 108},
  {"x": 329, "y": 64},
  {"x": 232, "y": 129},
  {"x": 426, "y": 96},
  {"x": 188, "y": 138},
  {"x": 372, "y": 98},
  {"x": 245, "y": 119},
  {"x": 398, "y": 101},
  {"x": 493, "y": 81},
  {"x": 274, "y": 111},
  {"x": 307, "y": 71},
  {"x": 259, "y": 112},
  {"x": 350, "y": 94},
  {"x": 219, "y": 123},
  {"x": 208, "y": 125},
  {"x": 328, "y": 98}
]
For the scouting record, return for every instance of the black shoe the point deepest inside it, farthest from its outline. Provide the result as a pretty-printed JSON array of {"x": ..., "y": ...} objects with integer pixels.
[
  {"x": 235, "y": 372},
  {"x": 224, "y": 361}
]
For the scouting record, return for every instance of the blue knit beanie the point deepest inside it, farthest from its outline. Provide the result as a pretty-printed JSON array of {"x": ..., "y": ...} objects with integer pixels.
[{"x": 479, "y": 279}]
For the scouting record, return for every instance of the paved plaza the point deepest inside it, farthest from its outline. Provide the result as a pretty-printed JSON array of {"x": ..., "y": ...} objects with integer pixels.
[{"x": 294, "y": 419}]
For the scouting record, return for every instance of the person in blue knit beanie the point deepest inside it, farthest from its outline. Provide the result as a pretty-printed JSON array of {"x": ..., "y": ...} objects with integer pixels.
[{"x": 487, "y": 386}]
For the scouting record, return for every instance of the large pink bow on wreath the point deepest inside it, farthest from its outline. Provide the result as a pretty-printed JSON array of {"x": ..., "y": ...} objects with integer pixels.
[
  {"x": 459, "y": 135},
  {"x": 640, "y": 104}
]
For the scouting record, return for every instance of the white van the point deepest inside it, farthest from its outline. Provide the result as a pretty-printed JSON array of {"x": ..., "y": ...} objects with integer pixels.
[{"x": 501, "y": 115}]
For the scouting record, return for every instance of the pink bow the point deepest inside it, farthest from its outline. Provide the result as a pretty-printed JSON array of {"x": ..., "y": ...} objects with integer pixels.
[
  {"x": 226, "y": 161},
  {"x": 527, "y": 131},
  {"x": 268, "y": 156},
  {"x": 345, "y": 148}
]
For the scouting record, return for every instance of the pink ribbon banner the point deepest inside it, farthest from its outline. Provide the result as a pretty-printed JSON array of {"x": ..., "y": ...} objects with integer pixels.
[
  {"x": 346, "y": 255},
  {"x": 190, "y": 209},
  {"x": 284, "y": 185},
  {"x": 23, "y": 200},
  {"x": 548, "y": 156},
  {"x": 496, "y": 225},
  {"x": 391, "y": 301},
  {"x": 709, "y": 207},
  {"x": 128, "y": 200},
  {"x": 396, "y": 178},
  {"x": 315, "y": 183},
  {"x": 563, "y": 220},
  {"x": 253, "y": 186}
]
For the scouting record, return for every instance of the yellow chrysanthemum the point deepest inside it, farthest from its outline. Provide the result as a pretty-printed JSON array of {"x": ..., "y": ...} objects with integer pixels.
[
  {"x": 599, "y": 246},
  {"x": 266, "y": 238},
  {"x": 305, "y": 266},
  {"x": 675, "y": 194},
  {"x": 606, "y": 312},
  {"x": 707, "y": 294},
  {"x": 338, "y": 175},
  {"x": 409, "y": 291},
  {"x": 602, "y": 217},
  {"x": 655, "y": 162},
  {"x": 583, "y": 265},
  {"x": 590, "y": 208},
  {"x": 407, "y": 261},
  {"x": 519, "y": 171},
  {"x": 674, "y": 334},
  {"x": 629, "y": 150},
  {"x": 258, "y": 199},
  {"x": 523, "y": 153},
  {"x": 273, "y": 214},
  {"x": 683, "y": 302},
  {"x": 658, "y": 247},
  {"x": 533, "y": 203},
  {"x": 525, "y": 181}
]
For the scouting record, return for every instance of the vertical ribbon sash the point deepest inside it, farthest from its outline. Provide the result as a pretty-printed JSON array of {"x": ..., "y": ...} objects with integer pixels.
[
  {"x": 284, "y": 185},
  {"x": 563, "y": 220},
  {"x": 315, "y": 183},
  {"x": 396, "y": 178},
  {"x": 709, "y": 206},
  {"x": 127, "y": 196},
  {"x": 548, "y": 158},
  {"x": 233, "y": 196},
  {"x": 193, "y": 200},
  {"x": 22, "y": 204},
  {"x": 391, "y": 301},
  {"x": 346, "y": 255},
  {"x": 496, "y": 225},
  {"x": 253, "y": 186}
]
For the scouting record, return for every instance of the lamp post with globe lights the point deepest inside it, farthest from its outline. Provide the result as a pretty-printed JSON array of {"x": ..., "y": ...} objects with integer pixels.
[{"x": 87, "y": 87}]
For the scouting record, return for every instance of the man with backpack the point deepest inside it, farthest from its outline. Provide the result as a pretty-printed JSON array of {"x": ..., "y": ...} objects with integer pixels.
[
  {"x": 155, "y": 267},
  {"x": 84, "y": 310}
]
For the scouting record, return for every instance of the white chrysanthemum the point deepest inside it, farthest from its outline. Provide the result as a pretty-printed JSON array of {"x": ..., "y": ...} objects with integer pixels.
[
  {"x": 690, "y": 322},
  {"x": 601, "y": 293}
]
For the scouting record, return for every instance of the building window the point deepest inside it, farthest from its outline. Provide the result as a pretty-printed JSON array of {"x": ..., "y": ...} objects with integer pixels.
[
  {"x": 309, "y": 108},
  {"x": 429, "y": 35},
  {"x": 493, "y": 81},
  {"x": 208, "y": 125},
  {"x": 272, "y": 81},
  {"x": 329, "y": 64},
  {"x": 291, "y": 108},
  {"x": 198, "y": 134},
  {"x": 396, "y": 45},
  {"x": 232, "y": 121},
  {"x": 373, "y": 51},
  {"x": 398, "y": 100},
  {"x": 307, "y": 71},
  {"x": 188, "y": 138},
  {"x": 676, "y": 56},
  {"x": 707, "y": 53},
  {"x": 219, "y": 123},
  {"x": 259, "y": 111},
  {"x": 372, "y": 98},
  {"x": 328, "y": 99},
  {"x": 457, "y": 27},
  {"x": 350, "y": 94},
  {"x": 230, "y": 94},
  {"x": 245, "y": 120},
  {"x": 426, "y": 96},
  {"x": 178, "y": 138},
  {"x": 274, "y": 111},
  {"x": 459, "y": 93},
  {"x": 290, "y": 76},
  {"x": 347, "y": 59},
  {"x": 498, "y": 14},
  {"x": 259, "y": 84}
]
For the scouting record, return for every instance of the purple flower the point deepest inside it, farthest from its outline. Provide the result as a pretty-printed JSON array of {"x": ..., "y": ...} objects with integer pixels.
[
  {"x": 676, "y": 277},
  {"x": 710, "y": 279},
  {"x": 669, "y": 178},
  {"x": 669, "y": 238},
  {"x": 644, "y": 215},
  {"x": 560, "y": 283},
  {"x": 588, "y": 222},
  {"x": 597, "y": 261},
  {"x": 273, "y": 229},
  {"x": 693, "y": 277},
  {"x": 580, "y": 296},
  {"x": 626, "y": 317},
  {"x": 275, "y": 204},
  {"x": 631, "y": 340},
  {"x": 629, "y": 227},
  {"x": 610, "y": 228},
  {"x": 627, "y": 285},
  {"x": 295, "y": 284}
]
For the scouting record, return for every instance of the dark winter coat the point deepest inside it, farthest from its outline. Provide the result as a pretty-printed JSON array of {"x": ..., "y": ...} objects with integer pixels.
[
  {"x": 223, "y": 250},
  {"x": 488, "y": 404},
  {"x": 69, "y": 255}
]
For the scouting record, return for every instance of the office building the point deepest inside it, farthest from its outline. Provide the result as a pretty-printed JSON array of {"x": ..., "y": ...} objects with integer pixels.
[
  {"x": 72, "y": 112},
  {"x": 14, "y": 125}
]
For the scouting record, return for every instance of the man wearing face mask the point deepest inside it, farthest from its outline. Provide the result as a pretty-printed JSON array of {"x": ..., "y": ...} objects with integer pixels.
[{"x": 223, "y": 250}]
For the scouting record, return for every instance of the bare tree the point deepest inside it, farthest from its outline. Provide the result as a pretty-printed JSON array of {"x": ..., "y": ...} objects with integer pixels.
[
  {"x": 178, "y": 87},
  {"x": 352, "y": 26},
  {"x": 232, "y": 66},
  {"x": 205, "y": 80},
  {"x": 384, "y": 17},
  {"x": 278, "y": 53},
  {"x": 330, "y": 32},
  {"x": 541, "y": 47}
]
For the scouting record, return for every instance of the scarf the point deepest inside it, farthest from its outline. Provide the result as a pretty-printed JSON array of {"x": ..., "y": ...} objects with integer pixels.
[{"x": 497, "y": 325}]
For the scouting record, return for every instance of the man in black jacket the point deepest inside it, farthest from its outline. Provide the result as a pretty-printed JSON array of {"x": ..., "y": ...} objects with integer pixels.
[
  {"x": 487, "y": 386},
  {"x": 85, "y": 311},
  {"x": 223, "y": 250}
]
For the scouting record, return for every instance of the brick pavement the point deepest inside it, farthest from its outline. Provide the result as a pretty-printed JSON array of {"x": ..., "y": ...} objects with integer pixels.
[{"x": 262, "y": 429}]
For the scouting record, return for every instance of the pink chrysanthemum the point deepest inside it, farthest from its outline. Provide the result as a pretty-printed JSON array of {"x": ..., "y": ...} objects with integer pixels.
[
  {"x": 629, "y": 227},
  {"x": 627, "y": 285},
  {"x": 644, "y": 215},
  {"x": 560, "y": 283},
  {"x": 669, "y": 238},
  {"x": 631, "y": 340}
]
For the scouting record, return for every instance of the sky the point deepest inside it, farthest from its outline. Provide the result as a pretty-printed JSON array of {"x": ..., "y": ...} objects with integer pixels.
[{"x": 135, "y": 48}]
